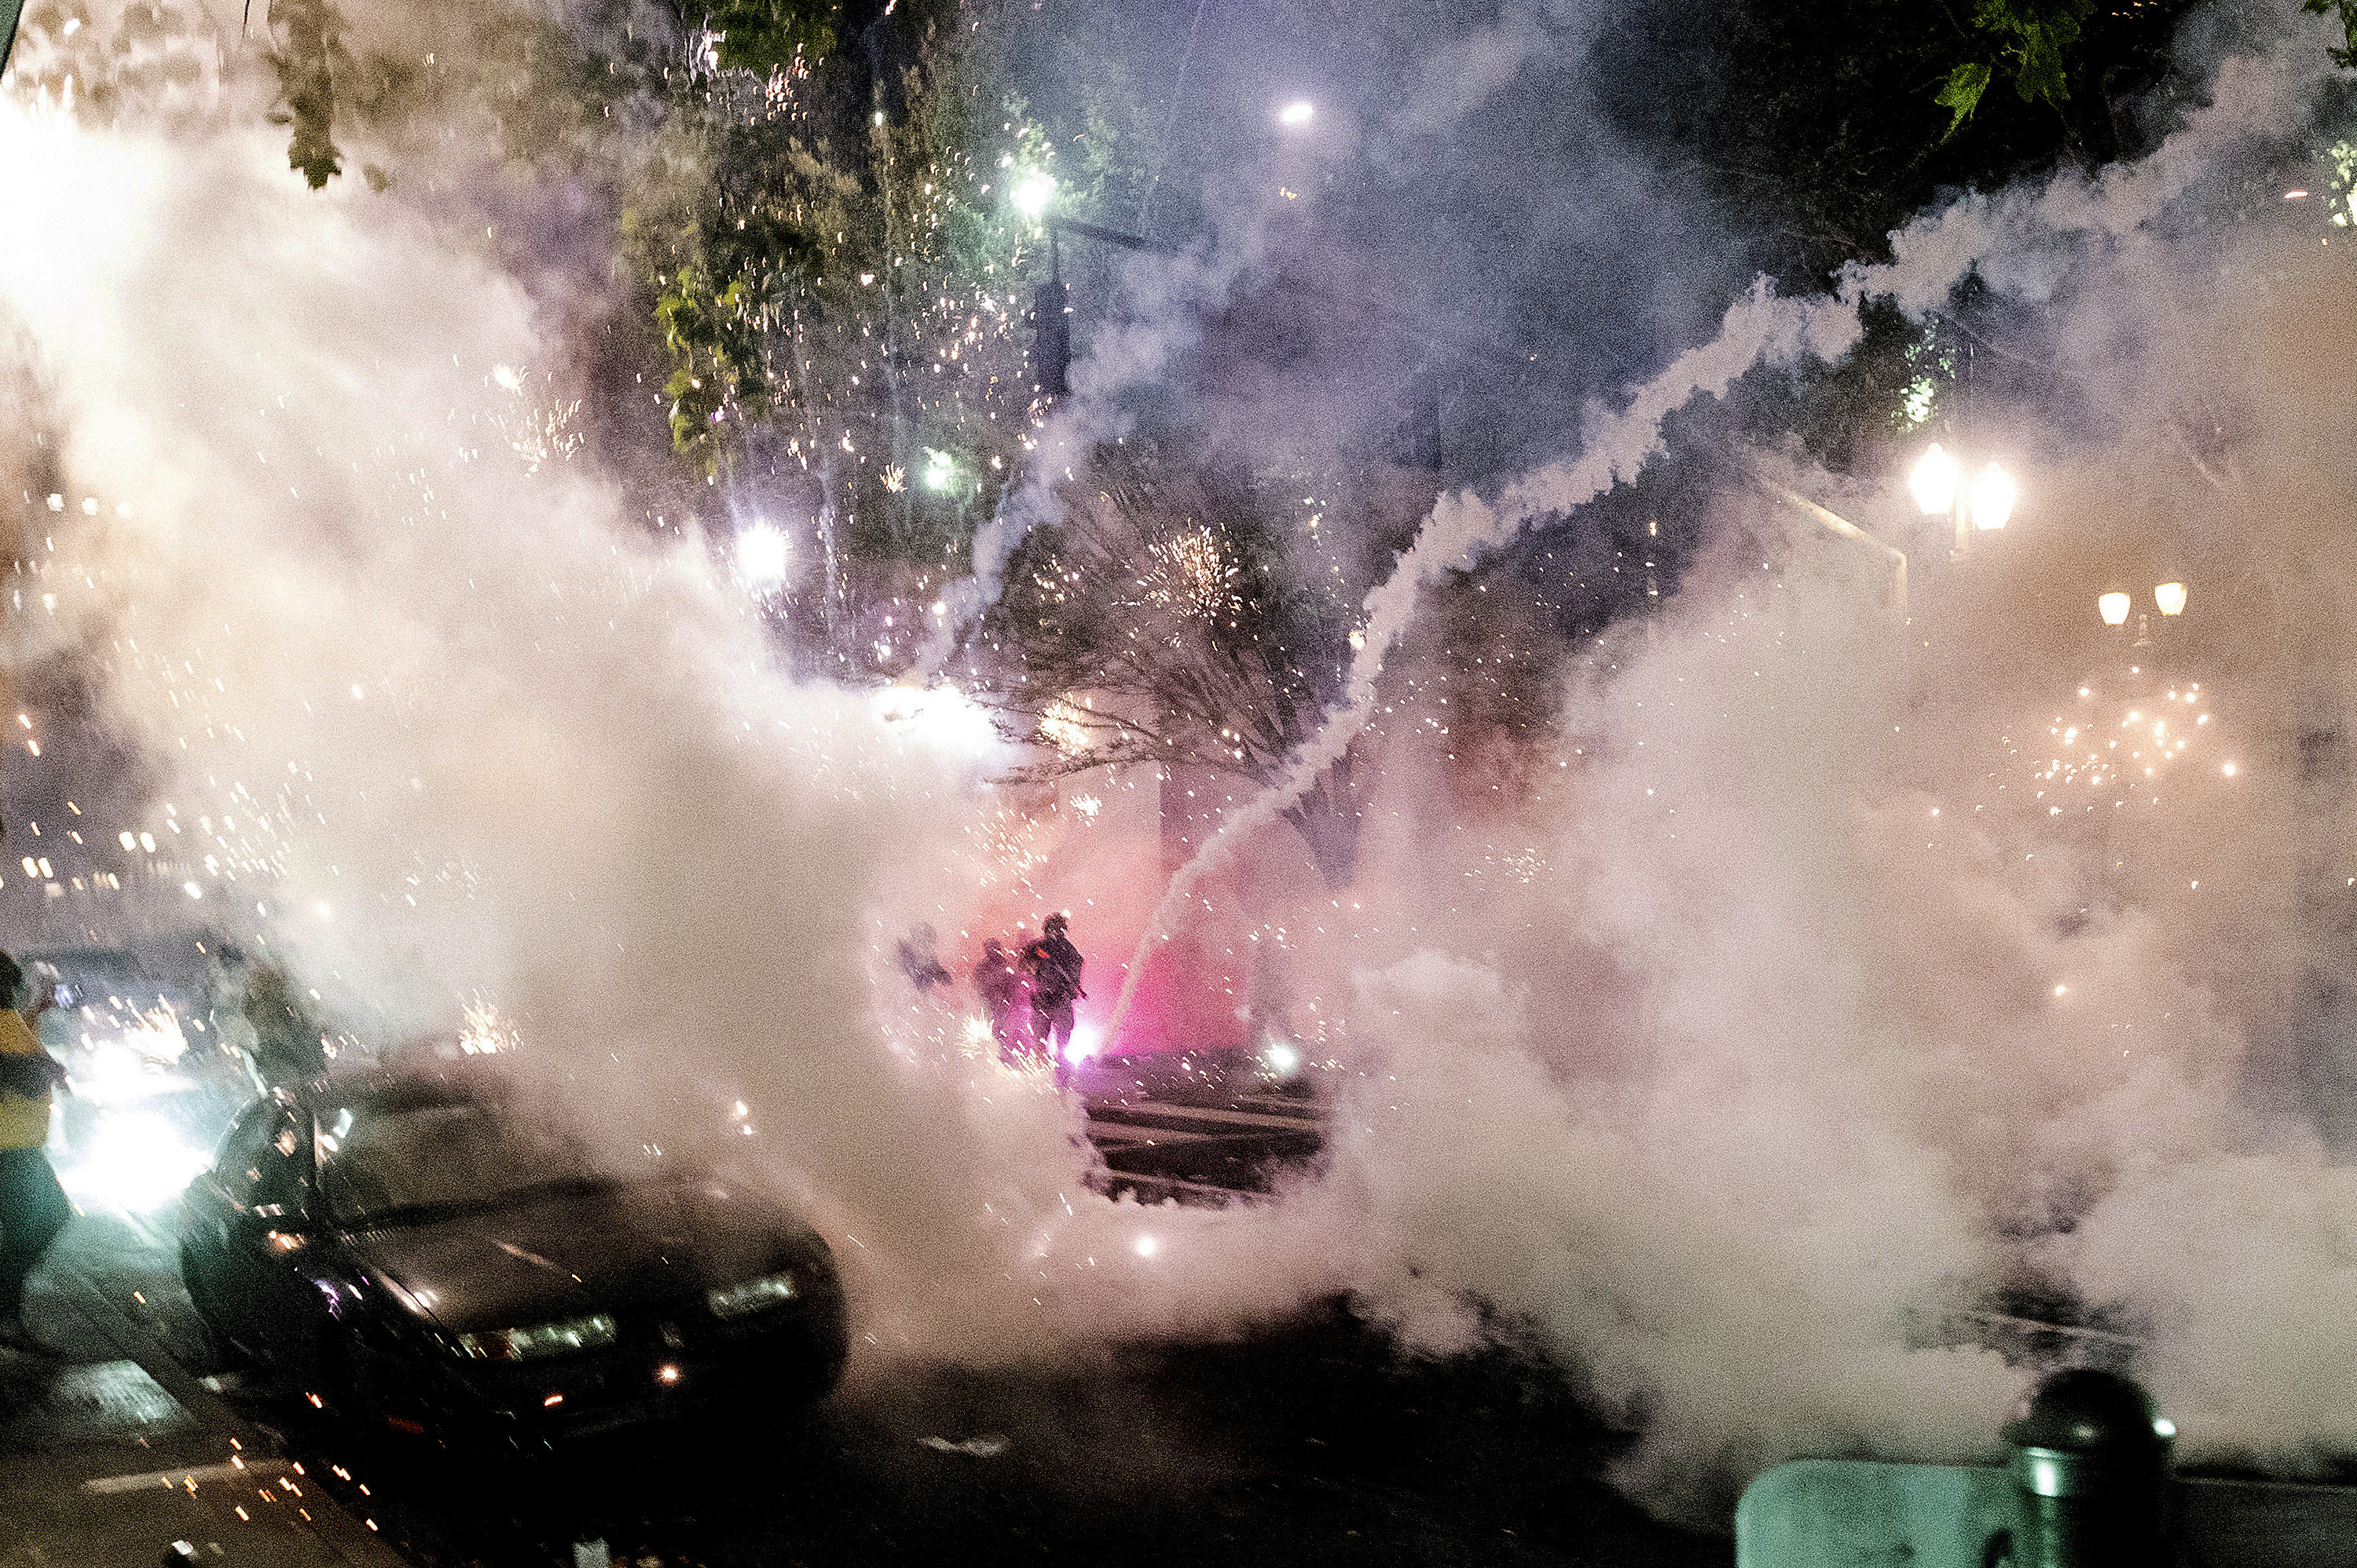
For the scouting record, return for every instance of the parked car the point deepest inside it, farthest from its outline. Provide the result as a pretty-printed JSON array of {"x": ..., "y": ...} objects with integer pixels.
[{"x": 427, "y": 1252}]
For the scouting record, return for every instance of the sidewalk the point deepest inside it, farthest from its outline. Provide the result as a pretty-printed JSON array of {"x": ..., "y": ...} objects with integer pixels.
[{"x": 115, "y": 1450}]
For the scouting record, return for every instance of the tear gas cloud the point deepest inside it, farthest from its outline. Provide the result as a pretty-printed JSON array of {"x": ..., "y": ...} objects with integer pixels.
[{"x": 1790, "y": 1002}]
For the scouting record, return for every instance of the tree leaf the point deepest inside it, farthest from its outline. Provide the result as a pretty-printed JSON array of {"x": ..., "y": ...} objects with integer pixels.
[{"x": 1961, "y": 93}]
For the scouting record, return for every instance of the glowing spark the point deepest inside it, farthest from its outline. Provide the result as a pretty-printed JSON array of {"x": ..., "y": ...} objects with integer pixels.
[
  {"x": 486, "y": 1033},
  {"x": 1193, "y": 575},
  {"x": 761, "y": 555},
  {"x": 1066, "y": 727}
]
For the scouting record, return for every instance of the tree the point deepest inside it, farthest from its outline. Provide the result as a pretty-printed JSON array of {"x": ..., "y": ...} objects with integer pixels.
[
  {"x": 1817, "y": 125},
  {"x": 308, "y": 51},
  {"x": 839, "y": 284},
  {"x": 1163, "y": 621},
  {"x": 2032, "y": 38},
  {"x": 2346, "y": 12}
]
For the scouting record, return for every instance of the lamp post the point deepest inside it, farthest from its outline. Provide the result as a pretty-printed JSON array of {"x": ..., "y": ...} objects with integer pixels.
[
  {"x": 2114, "y": 604},
  {"x": 1982, "y": 506}
]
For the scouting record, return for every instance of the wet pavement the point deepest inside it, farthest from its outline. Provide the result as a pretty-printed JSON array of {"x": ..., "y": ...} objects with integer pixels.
[
  {"x": 1309, "y": 1442},
  {"x": 115, "y": 1450}
]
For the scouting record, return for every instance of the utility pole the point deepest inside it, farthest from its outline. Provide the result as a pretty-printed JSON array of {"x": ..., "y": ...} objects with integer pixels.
[{"x": 1051, "y": 325}]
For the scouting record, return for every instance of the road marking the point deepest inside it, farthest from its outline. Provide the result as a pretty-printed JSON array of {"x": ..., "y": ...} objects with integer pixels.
[{"x": 149, "y": 1480}]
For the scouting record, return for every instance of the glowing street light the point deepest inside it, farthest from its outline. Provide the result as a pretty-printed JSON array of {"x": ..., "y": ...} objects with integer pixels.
[
  {"x": 761, "y": 555},
  {"x": 2169, "y": 597},
  {"x": 1992, "y": 498},
  {"x": 1934, "y": 481},
  {"x": 1300, "y": 112},
  {"x": 1033, "y": 192},
  {"x": 2114, "y": 607}
]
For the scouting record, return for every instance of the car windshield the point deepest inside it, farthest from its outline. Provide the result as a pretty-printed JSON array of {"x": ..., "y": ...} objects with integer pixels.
[{"x": 381, "y": 1161}]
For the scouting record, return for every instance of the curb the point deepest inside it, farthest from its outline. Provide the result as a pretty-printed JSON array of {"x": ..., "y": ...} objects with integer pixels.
[{"x": 334, "y": 1526}]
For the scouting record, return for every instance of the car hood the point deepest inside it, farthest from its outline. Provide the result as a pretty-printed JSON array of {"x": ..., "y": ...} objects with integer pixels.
[{"x": 575, "y": 1253}]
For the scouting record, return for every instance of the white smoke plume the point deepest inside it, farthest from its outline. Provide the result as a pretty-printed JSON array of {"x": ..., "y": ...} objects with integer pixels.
[
  {"x": 1714, "y": 1085},
  {"x": 1463, "y": 529}
]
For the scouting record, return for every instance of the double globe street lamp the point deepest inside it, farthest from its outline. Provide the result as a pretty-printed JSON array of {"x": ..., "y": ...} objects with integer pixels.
[
  {"x": 2169, "y": 598},
  {"x": 1940, "y": 491}
]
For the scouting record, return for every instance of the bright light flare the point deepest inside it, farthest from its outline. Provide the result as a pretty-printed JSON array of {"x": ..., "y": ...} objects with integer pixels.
[
  {"x": 132, "y": 1161},
  {"x": 1992, "y": 498},
  {"x": 761, "y": 555},
  {"x": 1282, "y": 1057},
  {"x": 113, "y": 1072},
  {"x": 1300, "y": 112},
  {"x": 1033, "y": 192},
  {"x": 941, "y": 716},
  {"x": 1086, "y": 1041},
  {"x": 1935, "y": 481},
  {"x": 1147, "y": 1246},
  {"x": 2170, "y": 598},
  {"x": 486, "y": 1032},
  {"x": 941, "y": 471},
  {"x": 2114, "y": 607}
]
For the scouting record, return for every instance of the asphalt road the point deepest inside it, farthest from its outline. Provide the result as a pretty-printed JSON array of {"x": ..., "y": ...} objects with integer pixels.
[{"x": 1308, "y": 1444}]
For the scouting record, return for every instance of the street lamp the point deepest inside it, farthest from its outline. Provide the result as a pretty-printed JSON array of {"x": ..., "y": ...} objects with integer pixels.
[
  {"x": 1033, "y": 192},
  {"x": 2169, "y": 598},
  {"x": 1992, "y": 499},
  {"x": 1936, "y": 480}
]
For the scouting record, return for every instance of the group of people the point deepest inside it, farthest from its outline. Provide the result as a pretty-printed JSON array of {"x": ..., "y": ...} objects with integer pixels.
[{"x": 1046, "y": 970}]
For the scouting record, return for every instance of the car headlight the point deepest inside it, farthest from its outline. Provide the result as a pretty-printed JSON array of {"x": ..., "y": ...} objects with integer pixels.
[
  {"x": 753, "y": 1295},
  {"x": 539, "y": 1339}
]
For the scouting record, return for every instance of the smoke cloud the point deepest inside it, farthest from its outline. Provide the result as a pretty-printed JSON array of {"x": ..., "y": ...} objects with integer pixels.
[{"x": 1801, "y": 999}]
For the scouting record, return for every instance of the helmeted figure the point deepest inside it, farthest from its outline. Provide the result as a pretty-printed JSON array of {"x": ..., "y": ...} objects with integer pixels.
[
  {"x": 998, "y": 981},
  {"x": 256, "y": 1014},
  {"x": 1054, "y": 965}
]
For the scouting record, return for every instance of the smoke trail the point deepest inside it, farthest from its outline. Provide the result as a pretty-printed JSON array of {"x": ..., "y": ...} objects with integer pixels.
[
  {"x": 2016, "y": 242},
  {"x": 1463, "y": 529}
]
